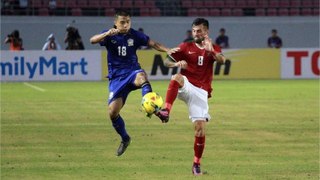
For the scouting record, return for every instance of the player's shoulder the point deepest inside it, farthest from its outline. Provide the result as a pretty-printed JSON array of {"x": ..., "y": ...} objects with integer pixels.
[
  {"x": 186, "y": 45},
  {"x": 133, "y": 31},
  {"x": 136, "y": 33}
]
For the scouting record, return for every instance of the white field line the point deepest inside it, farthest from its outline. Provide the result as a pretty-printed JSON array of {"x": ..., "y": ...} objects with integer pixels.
[
  {"x": 34, "y": 87},
  {"x": 54, "y": 125}
]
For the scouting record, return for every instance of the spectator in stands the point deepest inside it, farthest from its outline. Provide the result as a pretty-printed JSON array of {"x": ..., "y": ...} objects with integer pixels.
[
  {"x": 143, "y": 47},
  {"x": 188, "y": 36},
  {"x": 51, "y": 44},
  {"x": 274, "y": 41},
  {"x": 222, "y": 40},
  {"x": 7, "y": 7},
  {"x": 73, "y": 39},
  {"x": 52, "y": 6},
  {"x": 11, "y": 6},
  {"x": 23, "y": 7},
  {"x": 15, "y": 41},
  {"x": 23, "y": 4},
  {"x": 5, "y": 4}
]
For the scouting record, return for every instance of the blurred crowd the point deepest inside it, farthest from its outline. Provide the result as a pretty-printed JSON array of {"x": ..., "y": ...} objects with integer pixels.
[{"x": 73, "y": 40}]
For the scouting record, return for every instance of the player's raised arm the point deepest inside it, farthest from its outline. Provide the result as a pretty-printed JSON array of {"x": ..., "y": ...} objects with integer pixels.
[
  {"x": 208, "y": 45},
  {"x": 219, "y": 57},
  {"x": 99, "y": 37}
]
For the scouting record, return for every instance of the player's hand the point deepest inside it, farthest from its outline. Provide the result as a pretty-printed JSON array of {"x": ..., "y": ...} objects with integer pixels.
[
  {"x": 112, "y": 32},
  {"x": 182, "y": 64},
  {"x": 173, "y": 50},
  {"x": 207, "y": 43}
]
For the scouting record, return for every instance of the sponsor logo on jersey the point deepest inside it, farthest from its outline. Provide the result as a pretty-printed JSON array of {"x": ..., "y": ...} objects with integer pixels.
[{"x": 130, "y": 42}]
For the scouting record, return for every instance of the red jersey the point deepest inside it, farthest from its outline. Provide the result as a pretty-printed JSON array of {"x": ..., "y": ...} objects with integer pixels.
[
  {"x": 14, "y": 47},
  {"x": 200, "y": 64}
]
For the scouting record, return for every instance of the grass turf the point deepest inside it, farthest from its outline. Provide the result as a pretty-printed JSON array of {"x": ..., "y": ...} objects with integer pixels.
[{"x": 266, "y": 129}]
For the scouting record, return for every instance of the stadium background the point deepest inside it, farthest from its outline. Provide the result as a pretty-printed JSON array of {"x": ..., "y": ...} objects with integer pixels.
[
  {"x": 243, "y": 32},
  {"x": 248, "y": 22}
]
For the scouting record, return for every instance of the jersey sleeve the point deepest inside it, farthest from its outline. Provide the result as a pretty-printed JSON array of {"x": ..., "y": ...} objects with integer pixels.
[
  {"x": 104, "y": 42},
  {"x": 217, "y": 48},
  {"x": 179, "y": 55},
  {"x": 143, "y": 39}
]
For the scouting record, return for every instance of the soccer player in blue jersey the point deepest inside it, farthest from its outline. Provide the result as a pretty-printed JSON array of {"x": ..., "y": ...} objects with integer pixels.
[{"x": 125, "y": 73}]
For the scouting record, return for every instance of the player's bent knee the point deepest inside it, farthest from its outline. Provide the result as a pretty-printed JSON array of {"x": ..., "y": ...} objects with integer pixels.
[
  {"x": 141, "y": 79},
  {"x": 114, "y": 108},
  {"x": 199, "y": 128},
  {"x": 113, "y": 114},
  {"x": 199, "y": 132}
]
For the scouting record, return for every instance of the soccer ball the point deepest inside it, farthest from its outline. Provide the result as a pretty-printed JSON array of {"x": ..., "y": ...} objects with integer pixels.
[{"x": 151, "y": 103}]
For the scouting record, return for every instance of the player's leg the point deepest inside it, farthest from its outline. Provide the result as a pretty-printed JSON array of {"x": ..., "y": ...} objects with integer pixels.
[
  {"x": 118, "y": 124},
  {"x": 199, "y": 144},
  {"x": 119, "y": 90},
  {"x": 141, "y": 80},
  {"x": 117, "y": 121},
  {"x": 197, "y": 101},
  {"x": 176, "y": 82}
]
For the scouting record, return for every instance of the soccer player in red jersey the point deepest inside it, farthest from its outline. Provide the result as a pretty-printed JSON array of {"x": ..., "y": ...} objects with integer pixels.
[{"x": 193, "y": 84}]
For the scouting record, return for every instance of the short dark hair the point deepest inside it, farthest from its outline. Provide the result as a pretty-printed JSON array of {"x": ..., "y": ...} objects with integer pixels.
[
  {"x": 274, "y": 30},
  {"x": 122, "y": 13},
  {"x": 200, "y": 21},
  {"x": 15, "y": 34}
]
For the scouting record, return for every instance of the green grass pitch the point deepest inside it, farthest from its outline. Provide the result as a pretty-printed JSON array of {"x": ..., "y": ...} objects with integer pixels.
[{"x": 260, "y": 129}]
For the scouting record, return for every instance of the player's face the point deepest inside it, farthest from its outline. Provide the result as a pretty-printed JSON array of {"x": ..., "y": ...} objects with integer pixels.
[
  {"x": 123, "y": 23},
  {"x": 199, "y": 32}
]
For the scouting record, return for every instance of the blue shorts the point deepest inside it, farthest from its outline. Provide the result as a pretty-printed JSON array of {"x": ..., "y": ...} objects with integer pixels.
[{"x": 121, "y": 86}]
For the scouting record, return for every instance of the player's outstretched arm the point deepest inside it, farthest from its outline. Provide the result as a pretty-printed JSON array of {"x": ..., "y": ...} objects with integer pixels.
[
  {"x": 99, "y": 37},
  {"x": 170, "y": 62},
  {"x": 157, "y": 46},
  {"x": 173, "y": 50}
]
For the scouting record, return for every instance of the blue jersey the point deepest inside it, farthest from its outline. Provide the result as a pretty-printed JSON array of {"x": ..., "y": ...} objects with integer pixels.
[
  {"x": 274, "y": 42},
  {"x": 122, "y": 56}
]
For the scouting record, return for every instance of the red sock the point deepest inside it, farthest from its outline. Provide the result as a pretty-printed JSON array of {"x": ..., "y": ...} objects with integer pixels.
[
  {"x": 199, "y": 143},
  {"x": 172, "y": 93}
]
